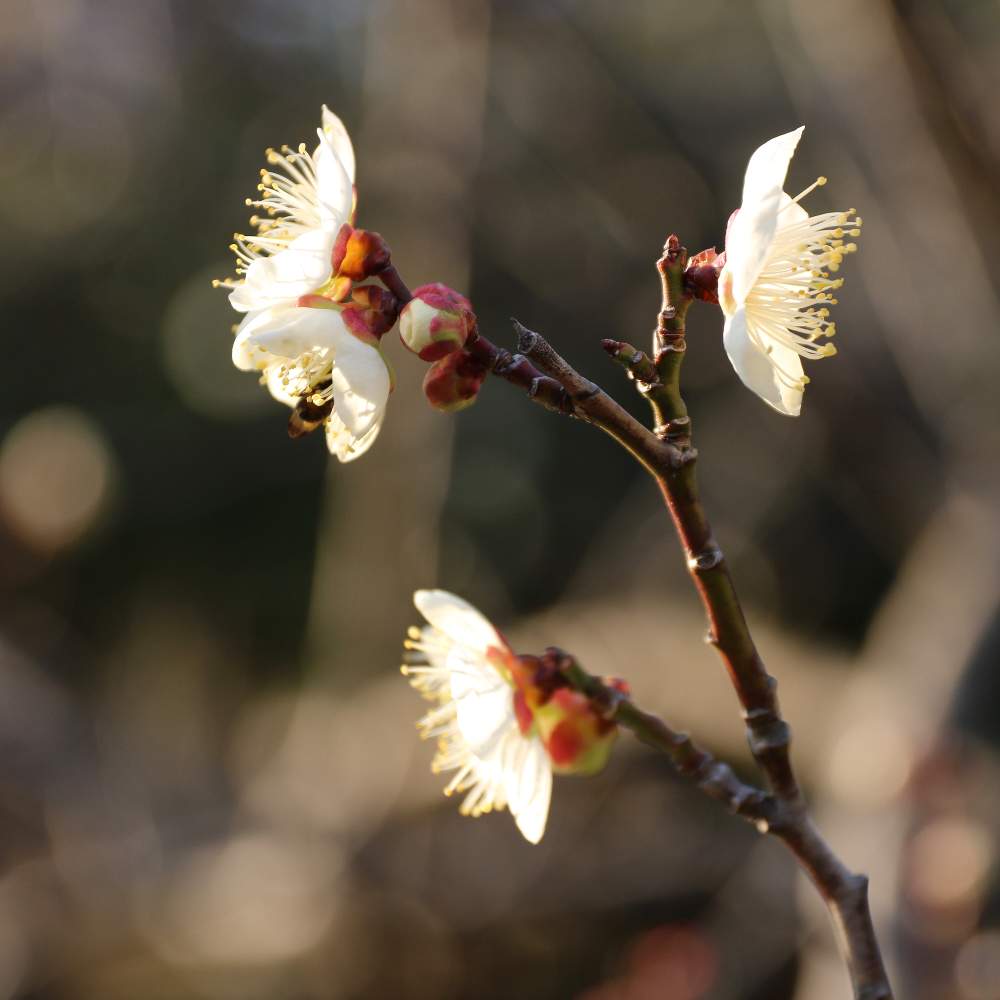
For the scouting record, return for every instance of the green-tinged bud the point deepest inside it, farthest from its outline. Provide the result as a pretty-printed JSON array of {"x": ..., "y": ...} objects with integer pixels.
[
  {"x": 359, "y": 254},
  {"x": 578, "y": 739},
  {"x": 436, "y": 322},
  {"x": 453, "y": 382}
]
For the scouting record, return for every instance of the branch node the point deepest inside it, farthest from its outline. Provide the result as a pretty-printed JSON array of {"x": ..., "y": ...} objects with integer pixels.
[
  {"x": 710, "y": 557},
  {"x": 767, "y": 732},
  {"x": 680, "y": 457},
  {"x": 676, "y": 431}
]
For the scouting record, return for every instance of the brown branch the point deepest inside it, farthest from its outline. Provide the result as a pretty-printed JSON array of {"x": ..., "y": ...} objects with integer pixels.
[
  {"x": 671, "y": 462},
  {"x": 519, "y": 371},
  {"x": 712, "y": 776},
  {"x": 844, "y": 892}
]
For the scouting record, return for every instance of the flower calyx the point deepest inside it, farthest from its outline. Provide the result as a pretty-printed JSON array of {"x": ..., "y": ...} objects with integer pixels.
[
  {"x": 701, "y": 276},
  {"x": 359, "y": 254},
  {"x": 576, "y": 726},
  {"x": 436, "y": 321}
]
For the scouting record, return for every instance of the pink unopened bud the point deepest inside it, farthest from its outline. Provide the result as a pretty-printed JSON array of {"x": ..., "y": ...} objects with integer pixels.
[
  {"x": 578, "y": 739},
  {"x": 436, "y": 321},
  {"x": 371, "y": 312},
  {"x": 453, "y": 382},
  {"x": 359, "y": 254}
]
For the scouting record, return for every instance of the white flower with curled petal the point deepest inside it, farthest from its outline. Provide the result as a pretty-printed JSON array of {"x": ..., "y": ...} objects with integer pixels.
[
  {"x": 776, "y": 283},
  {"x": 485, "y": 732},
  {"x": 308, "y": 357},
  {"x": 306, "y": 198}
]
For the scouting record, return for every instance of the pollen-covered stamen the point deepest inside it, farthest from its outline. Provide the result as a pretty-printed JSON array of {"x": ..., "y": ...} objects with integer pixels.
[
  {"x": 819, "y": 182},
  {"x": 789, "y": 299},
  {"x": 429, "y": 667},
  {"x": 426, "y": 663},
  {"x": 290, "y": 201}
]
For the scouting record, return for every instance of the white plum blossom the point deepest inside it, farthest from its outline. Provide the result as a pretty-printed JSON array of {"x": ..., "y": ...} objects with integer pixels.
[
  {"x": 776, "y": 283},
  {"x": 306, "y": 199},
  {"x": 306, "y": 353},
  {"x": 485, "y": 732},
  {"x": 310, "y": 354}
]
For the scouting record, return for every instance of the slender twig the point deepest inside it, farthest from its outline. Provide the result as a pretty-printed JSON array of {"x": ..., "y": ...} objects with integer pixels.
[
  {"x": 519, "y": 371},
  {"x": 714, "y": 777},
  {"x": 672, "y": 464},
  {"x": 845, "y": 893}
]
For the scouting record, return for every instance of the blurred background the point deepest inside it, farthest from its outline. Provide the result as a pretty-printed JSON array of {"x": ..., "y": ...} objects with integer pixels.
[{"x": 211, "y": 784}]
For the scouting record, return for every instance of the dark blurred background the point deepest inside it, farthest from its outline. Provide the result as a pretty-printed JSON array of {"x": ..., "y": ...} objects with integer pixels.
[{"x": 211, "y": 784}]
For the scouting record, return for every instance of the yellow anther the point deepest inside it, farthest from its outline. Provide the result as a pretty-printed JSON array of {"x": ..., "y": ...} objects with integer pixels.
[{"x": 821, "y": 181}]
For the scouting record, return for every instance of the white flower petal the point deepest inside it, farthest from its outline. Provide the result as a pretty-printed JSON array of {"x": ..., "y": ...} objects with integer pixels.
[
  {"x": 282, "y": 278},
  {"x": 528, "y": 788},
  {"x": 334, "y": 175},
  {"x": 749, "y": 237},
  {"x": 361, "y": 384},
  {"x": 484, "y": 701},
  {"x": 458, "y": 620},
  {"x": 340, "y": 142},
  {"x": 759, "y": 371},
  {"x": 285, "y": 333},
  {"x": 343, "y": 444}
]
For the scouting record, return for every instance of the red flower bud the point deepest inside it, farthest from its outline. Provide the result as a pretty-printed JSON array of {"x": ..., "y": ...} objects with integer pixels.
[
  {"x": 453, "y": 382},
  {"x": 436, "y": 321}
]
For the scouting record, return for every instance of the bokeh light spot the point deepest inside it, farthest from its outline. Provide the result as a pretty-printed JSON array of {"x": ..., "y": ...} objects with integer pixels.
[
  {"x": 56, "y": 476},
  {"x": 977, "y": 967}
]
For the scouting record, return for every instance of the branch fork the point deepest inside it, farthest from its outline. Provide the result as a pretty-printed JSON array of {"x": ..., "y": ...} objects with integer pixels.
[{"x": 667, "y": 454}]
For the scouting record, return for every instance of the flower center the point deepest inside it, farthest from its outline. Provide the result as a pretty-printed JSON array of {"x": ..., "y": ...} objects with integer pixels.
[{"x": 305, "y": 377}]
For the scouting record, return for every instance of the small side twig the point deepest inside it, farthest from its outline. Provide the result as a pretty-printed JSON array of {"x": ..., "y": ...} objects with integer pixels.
[
  {"x": 519, "y": 371},
  {"x": 711, "y": 775}
]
